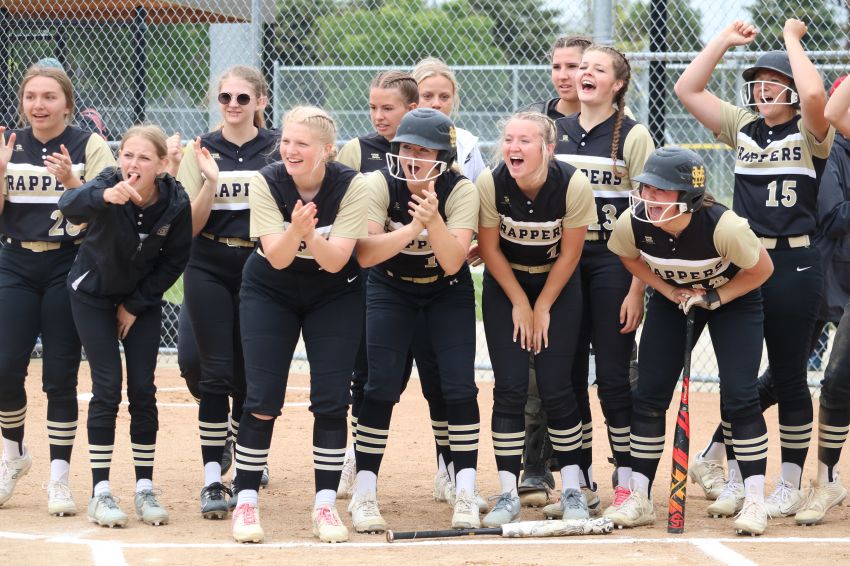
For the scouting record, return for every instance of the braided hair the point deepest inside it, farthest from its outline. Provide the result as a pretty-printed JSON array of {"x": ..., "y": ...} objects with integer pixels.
[
  {"x": 580, "y": 41},
  {"x": 622, "y": 72},
  {"x": 399, "y": 80},
  {"x": 319, "y": 122}
]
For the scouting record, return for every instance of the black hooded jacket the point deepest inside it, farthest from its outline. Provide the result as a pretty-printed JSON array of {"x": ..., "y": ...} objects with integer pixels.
[
  {"x": 833, "y": 236},
  {"x": 114, "y": 265}
]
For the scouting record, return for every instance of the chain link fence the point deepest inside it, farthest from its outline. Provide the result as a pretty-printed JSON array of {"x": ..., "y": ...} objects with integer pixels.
[{"x": 153, "y": 60}]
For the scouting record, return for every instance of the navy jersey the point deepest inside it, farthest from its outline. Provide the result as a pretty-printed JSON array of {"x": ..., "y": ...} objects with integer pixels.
[
  {"x": 530, "y": 230},
  {"x": 590, "y": 151},
  {"x": 777, "y": 171},
  {"x": 31, "y": 212},
  {"x": 237, "y": 165},
  {"x": 341, "y": 205},
  {"x": 366, "y": 154},
  {"x": 716, "y": 244}
]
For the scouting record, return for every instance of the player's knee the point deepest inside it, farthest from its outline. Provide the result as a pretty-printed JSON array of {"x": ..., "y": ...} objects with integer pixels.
[{"x": 648, "y": 410}]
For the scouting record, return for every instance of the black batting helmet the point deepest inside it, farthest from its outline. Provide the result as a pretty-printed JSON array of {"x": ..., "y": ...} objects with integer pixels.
[
  {"x": 676, "y": 169},
  {"x": 429, "y": 128},
  {"x": 774, "y": 61}
]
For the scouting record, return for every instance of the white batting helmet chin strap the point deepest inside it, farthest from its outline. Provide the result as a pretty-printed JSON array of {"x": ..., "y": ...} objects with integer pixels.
[
  {"x": 640, "y": 208},
  {"x": 395, "y": 164},
  {"x": 748, "y": 94}
]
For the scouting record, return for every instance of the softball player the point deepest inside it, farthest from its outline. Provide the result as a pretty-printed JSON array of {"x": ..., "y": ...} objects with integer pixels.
[
  {"x": 422, "y": 215},
  {"x": 610, "y": 149},
  {"x": 694, "y": 253},
  {"x": 392, "y": 94},
  {"x": 308, "y": 211},
  {"x": 565, "y": 57},
  {"x": 217, "y": 172},
  {"x": 37, "y": 164},
  {"x": 534, "y": 215},
  {"x": 834, "y": 414},
  {"x": 781, "y": 153},
  {"x": 137, "y": 244}
]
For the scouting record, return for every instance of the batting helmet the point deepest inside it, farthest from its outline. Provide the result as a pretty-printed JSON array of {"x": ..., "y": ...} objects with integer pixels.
[
  {"x": 429, "y": 128},
  {"x": 774, "y": 61},
  {"x": 676, "y": 169}
]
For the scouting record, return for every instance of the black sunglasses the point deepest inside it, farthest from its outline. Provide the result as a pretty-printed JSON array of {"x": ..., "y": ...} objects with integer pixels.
[{"x": 241, "y": 99}]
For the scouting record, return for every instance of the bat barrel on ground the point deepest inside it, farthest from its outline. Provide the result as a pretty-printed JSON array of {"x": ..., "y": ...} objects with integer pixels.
[
  {"x": 681, "y": 441},
  {"x": 522, "y": 529}
]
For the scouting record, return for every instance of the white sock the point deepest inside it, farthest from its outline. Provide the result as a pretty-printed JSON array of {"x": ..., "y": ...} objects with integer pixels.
[
  {"x": 441, "y": 465},
  {"x": 365, "y": 482},
  {"x": 451, "y": 470},
  {"x": 792, "y": 473},
  {"x": 349, "y": 452},
  {"x": 823, "y": 473},
  {"x": 212, "y": 473},
  {"x": 640, "y": 483},
  {"x": 754, "y": 487},
  {"x": 11, "y": 450},
  {"x": 324, "y": 497},
  {"x": 714, "y": 451},
  {"x": 59, "y": 470},
  {"x": 144, "y": 485},
  {"x": 102, "y": 488},
  {"x": 623, "y": 476},
  {"x": 246, "y": 496},
  {"x": 570, "y": 477},
  {"x": 735, "y": 470},
  {"x": 465, "y": 480},
  {"x": 507, "y": 481}
]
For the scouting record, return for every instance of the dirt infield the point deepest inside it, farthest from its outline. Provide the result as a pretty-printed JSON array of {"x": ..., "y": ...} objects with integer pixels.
[{"x": 31, "y": 536}]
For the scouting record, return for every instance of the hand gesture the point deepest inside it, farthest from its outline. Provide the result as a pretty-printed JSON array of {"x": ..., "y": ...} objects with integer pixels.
[
  {"x": 205, "y": 162},
  {"x": 303, "y": 219},
  {"x": 124, "y": 320},
  {"x": 123, "y": 191},
  {"x": 794, "y": 29},
  {"x": 709, "y": 300},
  {"x": 6, "y": 149},
  {"x": 59, "y": 164},
  {"x": 681, "y": 295},
  {"x": 523, "y": 317},
  {"x": 427, "y": 207},
  {"x": 740, "y": 32},
  {"x": 174, "y": 153},
  {"x": 540, "y": 324},
  {"x": 631, "y": 313}
]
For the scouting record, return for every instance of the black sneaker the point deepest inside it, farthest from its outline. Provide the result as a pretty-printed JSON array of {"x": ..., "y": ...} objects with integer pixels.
[
  {"x": 234, "y": 491},
  {"x": 264, "y": 479},
  {"x": 214, "y": 503}
]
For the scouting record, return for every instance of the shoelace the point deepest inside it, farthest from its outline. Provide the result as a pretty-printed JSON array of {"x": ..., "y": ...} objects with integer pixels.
[
  {"x": 246, "y": 510},
  {"x": 149, "y": 498},
  {"x": 782, "y": 492},
  {"x": 369, "y": 507},
  {"x": 6, "y": 471},
  {"x": 752, "y": 509},
  {"x": 108, "y": 501},
  {"x": 572, "y": 499},
  {"x": 503, "y": 501},
  {"x": 325, "y": 515},
  {"x": 620, "y": 495},
  {"x": 58, "y": 490},
  {"x": 732, "y": 486},
  {"x": 466, "y": 502},
  {"x": 216, "y": 491}
]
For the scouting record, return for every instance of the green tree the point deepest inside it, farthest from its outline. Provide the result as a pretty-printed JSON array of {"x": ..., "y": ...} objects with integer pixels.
[
  {"x": 523, "y": 29},
  {"x": 632, "y": 26},
  {"x": 825, "y": 32},
  {"x": 294, "y": 26}
]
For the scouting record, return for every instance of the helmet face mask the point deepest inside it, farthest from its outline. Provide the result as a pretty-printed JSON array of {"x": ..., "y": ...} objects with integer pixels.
[
  {"x": 749, "y": 99},
  {"x": 778, "y": 62},
  {"x": 640, "y": 208},
  {"x": 674, "y": 169},
  {"x": 423, "y": 127}
]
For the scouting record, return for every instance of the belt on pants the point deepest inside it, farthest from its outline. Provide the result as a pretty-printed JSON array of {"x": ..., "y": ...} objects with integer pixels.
[
  {"x": 420, "y": 280},
  {"x": 39, "y": 246},
  {"x": 231, "y": 242},
  {"x": 785, "y": 242},
  {"x": 596, "y": 236},
  {"x": 545, "y": 268}
]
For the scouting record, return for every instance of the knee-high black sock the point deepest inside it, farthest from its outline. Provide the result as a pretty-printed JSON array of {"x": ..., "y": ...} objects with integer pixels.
[
  {"x": 61, "y": 427},
  {"x": 440, "y": 428},
  {"x": 329, "y": 436},
  {"x": 566, "y": 436},
  {"x": 252, "y": 450},
  {"x": 464, "y": 430},
  {"x": 213, "y": 426},
  {"x": 586, "y": 437},
  {"x": 795, "y": 434},
  {"x": 508, "y": 440},
  {"x": 143, "y": 445},
  {"x": 619, "y": 427},
  {"x": 12, "y": 425},
  {"x": 101, "y": 445},
  {"x": 833, "y": 425},
  {"x": 646, "y": 444},
  {"x": 373, "y": 430},
  {"x": 749, "y": 436}
]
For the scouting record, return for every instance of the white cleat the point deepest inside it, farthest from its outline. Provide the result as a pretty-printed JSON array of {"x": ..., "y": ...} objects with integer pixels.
[
  {"x": 60, "y": 501},
  {"x": 365, "y": 514},
  {"x": 466, "y": 511},
  {"x": 752, "y": 520},
  {"x": 731, "y": 499},
  {"x": 785, "y": 500},
  {"x": 327, "y": 525},
  {"x": 346, "y": 480},
  {"x": 821, "y": 498},
  {"x": 246, "y": 524},
  {"x": 10, "y": 472},
  {"x": 635, "y": 511},
  {"x": 104, "y": 511},
  {"x": 709, "y": 475}
]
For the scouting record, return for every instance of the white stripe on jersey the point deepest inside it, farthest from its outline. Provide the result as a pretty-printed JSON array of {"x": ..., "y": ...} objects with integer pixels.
[
  {"x": 581, "y": 158},
  {"x": 682, "y": 262},
  {"x": 231, "y": 206},
  {"x": 225, "y": 175},
  {"x": 521, "y": 232},
  {"x": 775, "y": 143},
  {"x": 33, "y": 199},
  {"x": 20, "y": 168},
  {"x": 741, "y": 170},
  {"x": 613, "y": 194}
]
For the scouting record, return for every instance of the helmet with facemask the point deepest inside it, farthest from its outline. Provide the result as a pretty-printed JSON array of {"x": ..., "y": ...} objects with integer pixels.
[
  {"x": 424, "y": 127},
  {"x": 670, "y": 169},
  {"x": 776, "y": 61}
]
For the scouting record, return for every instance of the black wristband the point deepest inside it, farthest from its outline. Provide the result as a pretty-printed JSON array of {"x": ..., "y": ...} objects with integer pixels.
[{"x": 712, "y": 297}]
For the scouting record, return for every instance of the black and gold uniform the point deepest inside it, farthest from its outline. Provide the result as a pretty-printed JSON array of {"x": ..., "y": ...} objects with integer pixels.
[
  {"x": 707, "y": 254},
  {"x": 605, "y": 282},
  {"x": 213, "y": 278},
  {"x": 38, "y": 248},
  {"x": 278, "y": 305},
  {"x": 777, "y": 175},
  {"x": 412, "y": 289},
  {"x": 530, "y": 239},
  {"x": 365, "y": 154}
]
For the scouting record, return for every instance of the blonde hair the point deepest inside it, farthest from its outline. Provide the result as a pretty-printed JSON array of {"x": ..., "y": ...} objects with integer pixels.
[
  {"x": 433, "y": 67},
  {"x": 319, "y": 122},
  {"x": 622, "y": 72},
  {"x": 254, "y": 78},
  {"x": 57, "y": 75},
  {"x": 548, "y": 134},
  {"x": 407, "y": 87},
  {"x": 150, "y": 132}
]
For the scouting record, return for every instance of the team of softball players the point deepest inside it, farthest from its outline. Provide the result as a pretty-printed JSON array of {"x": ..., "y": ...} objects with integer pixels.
[{"x": 366, "y": 256}]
